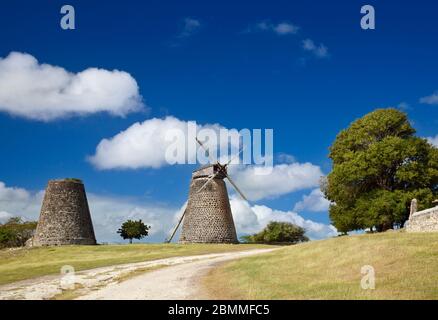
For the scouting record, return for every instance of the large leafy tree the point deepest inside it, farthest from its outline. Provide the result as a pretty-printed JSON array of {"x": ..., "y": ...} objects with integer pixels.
[
  {"x": 133, "y": 230},
  {"x": 379, "y": 166}
]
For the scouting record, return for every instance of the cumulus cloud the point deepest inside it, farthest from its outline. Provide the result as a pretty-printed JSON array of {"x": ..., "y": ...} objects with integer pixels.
[
  {"x": 12, "y": 194},
  {"x": 319, "y": 51},
  {"x": 258, "y": 182},
  {"x": 19, "y": 202},
  {"x": 251, "y": 219},
  {"x": 45, "y": 92},
  {"x": 432, "y": 99},
  {"x": 433, "y": 140},
  {"x": 314, "y": 201},
  {"x": 142, "y": 145},
  {"x": 285, "y": 158},
  {"x": 282, "y": 28},
  {"x": 5, "y": 216},
  {"x": 108, "y": 212},
  {"x": 146, "y": 144}
]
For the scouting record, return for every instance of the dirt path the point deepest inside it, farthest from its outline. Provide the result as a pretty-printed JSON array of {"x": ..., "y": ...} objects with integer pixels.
[
  {"x": 173, "y": 283},
  {"x": 177, "y": 281}
]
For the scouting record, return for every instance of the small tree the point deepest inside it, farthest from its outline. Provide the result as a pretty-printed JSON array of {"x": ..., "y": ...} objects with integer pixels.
[
  {"x": 133, "y": 230},
  {"x": 279, "y": 232}
]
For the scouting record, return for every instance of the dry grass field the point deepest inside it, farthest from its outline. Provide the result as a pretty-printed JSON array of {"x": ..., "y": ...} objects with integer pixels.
[
  {"x": 21, "y": 264},
  {"x": 405, "y": 264}
]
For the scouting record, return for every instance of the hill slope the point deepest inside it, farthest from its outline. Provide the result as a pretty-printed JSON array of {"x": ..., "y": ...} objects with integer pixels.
[{"x": 405, "y": 264}]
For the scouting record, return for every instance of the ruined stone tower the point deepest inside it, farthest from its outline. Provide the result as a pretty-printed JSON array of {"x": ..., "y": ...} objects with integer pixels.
[
  {"x": 208, "y": 217},
  {"x": 65, "y": 217}
]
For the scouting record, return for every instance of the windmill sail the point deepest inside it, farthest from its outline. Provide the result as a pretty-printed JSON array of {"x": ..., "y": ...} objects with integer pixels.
[{"x": 176, "y": 227}]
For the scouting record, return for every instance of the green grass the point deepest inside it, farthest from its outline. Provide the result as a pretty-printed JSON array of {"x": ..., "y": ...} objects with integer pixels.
[
  {"x": 24, "y": 263},
  {"x": 405, "y": 264}
]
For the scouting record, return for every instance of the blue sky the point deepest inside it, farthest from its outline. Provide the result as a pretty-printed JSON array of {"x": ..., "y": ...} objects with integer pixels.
[{"x": 213, "y": 62}]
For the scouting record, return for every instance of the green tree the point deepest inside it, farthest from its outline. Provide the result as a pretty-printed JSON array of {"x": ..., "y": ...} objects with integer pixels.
[
  {"x": 278, "y": 232},
  {"x": 133, "y": 230},
  {"x": 15, "y": 232},
  {"x": 379, "y": 166}
]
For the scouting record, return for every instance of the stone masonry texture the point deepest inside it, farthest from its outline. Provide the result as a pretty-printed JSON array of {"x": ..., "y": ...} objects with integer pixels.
[
  {"x": 423, "y": 221},
  {"x": 65, "y": 217},
  {"x": 208, "y": 217}
]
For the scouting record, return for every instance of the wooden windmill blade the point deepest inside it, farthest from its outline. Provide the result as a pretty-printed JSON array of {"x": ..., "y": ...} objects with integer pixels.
[
  {"x": 236, "y": 188},
  {"x": 206, "y": 150},
  {"x": 176, "y": 227},
  {"x": 222, "y": 170},
  {"x": 208, "y": 181},
  {"x": 235, "y": 157}
]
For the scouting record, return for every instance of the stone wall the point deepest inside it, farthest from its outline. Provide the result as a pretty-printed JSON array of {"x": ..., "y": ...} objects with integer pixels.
[
  {"x": 65, "y": 217},
  {"x": 208, "y": 217},
  {"x": 423, "y": 221}
]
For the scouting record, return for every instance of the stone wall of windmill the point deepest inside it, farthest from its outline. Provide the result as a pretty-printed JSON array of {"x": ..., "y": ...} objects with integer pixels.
[
  {"x": 208, "y": 218},
  {"x": 65, "y": 217}
]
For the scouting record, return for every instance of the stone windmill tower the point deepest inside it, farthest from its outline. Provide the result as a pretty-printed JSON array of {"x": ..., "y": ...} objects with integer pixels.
[
  {"x": 208, "y": 217},
  {"x": 65, "y": 217}
]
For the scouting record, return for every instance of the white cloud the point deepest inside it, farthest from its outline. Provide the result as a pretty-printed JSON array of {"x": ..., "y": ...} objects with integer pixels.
[
  {"x": 190, "y": 27},
  {"x": 285, "y": 28},
  {"x": 5, "y": 216},
  {"x": 285, "y": 158},
  {"x": 278, "y": 180},
  {"x": 319, "y": 51},
  {"x": 282, "y": 28},
  {"x": 19, "y": 202},
  {"x": 44, "y": 92},
  {"x": 253, "y": 219},
  {"x": 432, "y": 99},
  {"x": 403, "y": 106},
  {"x": 315, "y": 202},
  {"x": 433, "y": 140},
  {"x": 12, "y": 194},
  {"x": 144, "y": 145}
]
